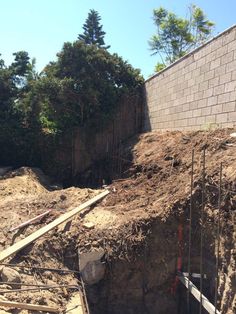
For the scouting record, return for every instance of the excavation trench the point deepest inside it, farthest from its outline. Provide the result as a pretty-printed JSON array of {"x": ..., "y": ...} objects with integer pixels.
[
  {"x": 145, "y": 281},
  {"x": 140, "y": 274}
]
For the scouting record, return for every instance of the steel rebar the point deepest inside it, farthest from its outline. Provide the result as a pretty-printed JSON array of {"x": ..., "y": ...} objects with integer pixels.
[
  {"x": 202, "y": 240},
  {"x": 218, "y": 239},
  {"x": 190, "y": 232},
  {"x": 41, "y": 288},
  {"x": 41, "y": 268}
]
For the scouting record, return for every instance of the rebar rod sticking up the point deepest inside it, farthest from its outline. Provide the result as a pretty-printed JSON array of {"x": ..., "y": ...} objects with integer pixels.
[
  {"x": 190, "y": 233},
  {"x": 218, "y": 239},
  {"x": 202, "y": 215}
]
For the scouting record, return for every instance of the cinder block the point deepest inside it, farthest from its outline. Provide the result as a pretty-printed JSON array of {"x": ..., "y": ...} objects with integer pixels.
[
  {"x": 221, "y": 70},
  {"x": 214, "y": 82},
  {"x": 192, "y": 66},
  {"x": 202, "y": 103},
  {"x": 234, "y": 74},
  {"x": 216, "y": 109},
  {"x": 231, "y": 66},
  {"x": 230, "y": 86},
  {"x": 228, "y": 57},
  {"x": 209, "y": 75},
  {"x": 221, "y": 51},
  {"x": 215, "y": 63},
  {"x": 179, "y": 108},
  {"x": 183, "y": 122},
  {"x": 187, "y": 91},
  {"x": 192, "y": 121},
  {"x": 194, "y": 89},
  {"x": 196, "y": 73},
  {"x": 198, "y": 95},
  {"x": 220, "y": 89},
  {"x": 233, "y": 96},
  {"x": 190, "y": 98},
  {"x": 208, "y": 93},
  {"x": 198, "y": 55},
  {"x": 206, "y": 111},
  {"x": 205, "y": 67},
  {"x": 225, "y": 78},
  {"x": 232, "y": 46},
  {"x": 203, "y": 86},
  {"x": 192, "y": 105},
  {"x": 223, "y": 98},
  {"x": 232, "y": 116},
  {"x": 183, "y": 100},
  {"x": 201, "y": 120},
  {"x": 211, "y": 56},
  {"x": 227, "y": 38},
  {"x": 187, "y": 76},
  {"x": 189, "y": 114},
  {"x": 229, "y": 106},
  {"x": 191, "y": 82},
  {"x": 217, "y": 43},
  {"x": 196, "y": 113},
  {"x": 186, "y": 107},
  {"x": 221, "y": 118},
  {"x": 166, "y": 111},
  {"x": 207, "y": 49},
  {"x": 210, "y": 119}
]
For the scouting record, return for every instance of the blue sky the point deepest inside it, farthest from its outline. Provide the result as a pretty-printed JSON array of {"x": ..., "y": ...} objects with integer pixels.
[{"x": 42, "y": 26}]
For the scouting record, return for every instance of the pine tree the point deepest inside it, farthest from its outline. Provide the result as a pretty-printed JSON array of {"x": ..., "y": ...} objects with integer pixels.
[{"x": 93, "y": 33}]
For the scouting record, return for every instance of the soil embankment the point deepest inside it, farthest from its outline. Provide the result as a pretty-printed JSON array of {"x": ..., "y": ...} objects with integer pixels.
[{"x": 136, "y": 225}]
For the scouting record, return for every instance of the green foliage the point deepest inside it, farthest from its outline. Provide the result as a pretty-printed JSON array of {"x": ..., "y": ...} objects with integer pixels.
[
  {"x": 84, "y": 82},
  {"x": 177, "y": 36},
  {"x": 83, "y": 87},
  {"x": 17, "y": 141},
  {"x": 159, "y": 67},
  {"x": 20, "y": 65},
  {"x": 93, "y": 33}
]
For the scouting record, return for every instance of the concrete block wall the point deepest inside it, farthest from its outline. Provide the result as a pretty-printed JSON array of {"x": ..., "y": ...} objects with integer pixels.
[{"x": 196, "y": 92}]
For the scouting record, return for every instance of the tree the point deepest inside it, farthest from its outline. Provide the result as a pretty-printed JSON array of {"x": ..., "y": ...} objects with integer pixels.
[
  {"x": 21, "y": 63},
  {"x": 177, "y": 36},
  {"x": 93, "y": 33},
  {"x": 85, "y": 83}
]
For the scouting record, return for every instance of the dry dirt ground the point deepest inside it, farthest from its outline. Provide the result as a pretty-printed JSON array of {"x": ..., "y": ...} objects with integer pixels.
[{"x": 156, "y": 185}]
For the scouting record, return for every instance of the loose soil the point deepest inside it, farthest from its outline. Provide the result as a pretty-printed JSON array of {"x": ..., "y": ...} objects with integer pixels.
[{"x": 136, "y": 224}]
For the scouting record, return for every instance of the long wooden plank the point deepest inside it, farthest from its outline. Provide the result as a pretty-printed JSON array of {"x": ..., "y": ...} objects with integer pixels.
[
  {"x": 39, "y": 233},
  {"x": 197, "y": 294},
  {"x": 28, "y": 306}
]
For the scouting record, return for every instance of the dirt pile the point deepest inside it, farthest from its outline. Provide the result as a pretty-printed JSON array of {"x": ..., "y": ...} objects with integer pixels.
[
  {"x": 136, "y": 225},
  {"x": 24, "y": 194}
]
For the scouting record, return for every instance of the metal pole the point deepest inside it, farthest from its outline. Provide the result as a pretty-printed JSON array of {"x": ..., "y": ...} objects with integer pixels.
[
  {"x": 190, "y": 233},
  {"x": 58, "y": 270},
  {"x": 218, "y": 240},
  {"x": 202, "y": 215},
  {"x": 42, "y": 288}
]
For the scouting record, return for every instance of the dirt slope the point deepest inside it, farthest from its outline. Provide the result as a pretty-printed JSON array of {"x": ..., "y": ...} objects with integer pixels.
[{"x": 137, "y": 221}]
